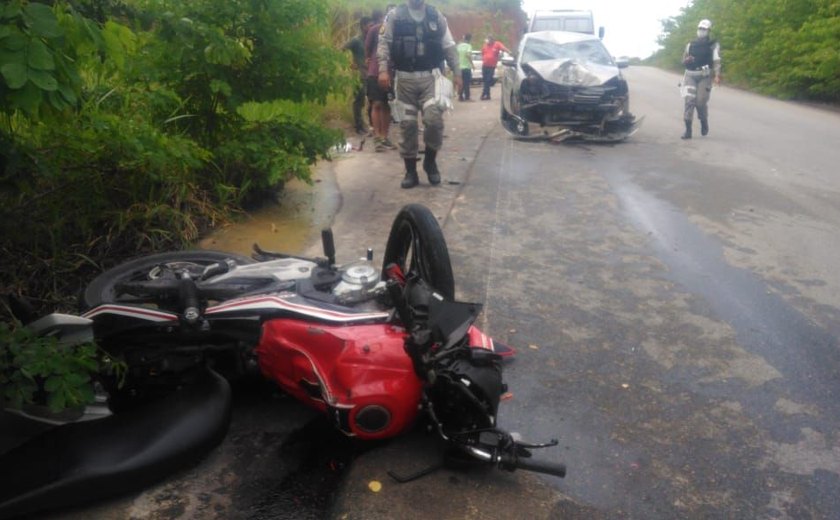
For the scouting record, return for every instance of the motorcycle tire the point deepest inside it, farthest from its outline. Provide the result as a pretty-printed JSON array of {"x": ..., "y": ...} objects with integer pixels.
[
  {"x": 101, "y": 289},
  {"x": 416, "y": 244}
]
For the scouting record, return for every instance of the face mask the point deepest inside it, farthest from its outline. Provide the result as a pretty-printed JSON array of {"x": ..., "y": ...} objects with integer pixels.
[{"x": 702, "y": 33}]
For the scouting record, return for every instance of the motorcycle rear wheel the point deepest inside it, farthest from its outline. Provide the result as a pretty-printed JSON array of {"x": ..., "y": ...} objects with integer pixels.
[
  {"x": 416, "y": 244},
  {"x": 102, "y": 289}
]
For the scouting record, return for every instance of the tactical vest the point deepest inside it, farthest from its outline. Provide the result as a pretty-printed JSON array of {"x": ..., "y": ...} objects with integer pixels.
[
  {"x": 417, "y": 45},
  {"x": 703, "y": 52}
]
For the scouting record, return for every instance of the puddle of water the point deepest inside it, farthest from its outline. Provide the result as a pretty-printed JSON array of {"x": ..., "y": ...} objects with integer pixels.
[{"x": 287, "y": 225}]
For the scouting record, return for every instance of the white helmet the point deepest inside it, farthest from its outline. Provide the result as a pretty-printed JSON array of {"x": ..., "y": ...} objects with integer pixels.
[{"x": 705, "y": 24}]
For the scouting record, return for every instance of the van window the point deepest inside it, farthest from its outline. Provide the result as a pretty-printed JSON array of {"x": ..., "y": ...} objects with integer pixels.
[{"x": 580, "y": 25}]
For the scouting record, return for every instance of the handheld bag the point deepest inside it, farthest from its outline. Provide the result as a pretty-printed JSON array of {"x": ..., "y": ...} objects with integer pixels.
[{"x": 443, "y": 90}]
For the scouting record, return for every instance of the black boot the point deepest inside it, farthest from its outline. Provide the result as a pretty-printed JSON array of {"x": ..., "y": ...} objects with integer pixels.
[
  {"x": 687, "y": 134},
  {"x": 704, "y": 127},
  {"x": 410, "y": 179},
  {"x": 430, "y": 166}
]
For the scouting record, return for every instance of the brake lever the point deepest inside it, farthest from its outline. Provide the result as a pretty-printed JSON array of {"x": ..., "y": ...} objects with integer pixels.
[{"x": 549, "y": 444}]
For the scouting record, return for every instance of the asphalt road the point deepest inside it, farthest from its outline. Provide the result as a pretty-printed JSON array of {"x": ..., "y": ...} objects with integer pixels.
[
  {"x": 676, "y": 303},
  {"x": 675, "y": 306}
]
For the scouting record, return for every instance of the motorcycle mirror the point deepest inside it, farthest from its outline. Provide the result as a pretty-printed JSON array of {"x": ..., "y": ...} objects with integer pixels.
[{"x": 329, "y": 245}]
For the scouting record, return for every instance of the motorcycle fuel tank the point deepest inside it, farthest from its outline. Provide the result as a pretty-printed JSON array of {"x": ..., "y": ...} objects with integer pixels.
[{"x": 360, "y": 375}]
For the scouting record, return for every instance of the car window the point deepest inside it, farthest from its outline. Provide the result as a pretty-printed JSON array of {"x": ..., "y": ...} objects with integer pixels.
[{"x": 591, "y": 51}]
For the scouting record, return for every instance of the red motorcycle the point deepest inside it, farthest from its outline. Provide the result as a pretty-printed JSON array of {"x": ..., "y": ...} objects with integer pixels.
[{"x": 377, "y": 351}]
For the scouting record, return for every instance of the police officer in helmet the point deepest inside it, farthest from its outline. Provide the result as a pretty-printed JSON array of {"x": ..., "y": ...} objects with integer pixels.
[
  {"x": 415, "y": 38},
  {"x": 702, "y": 66}
]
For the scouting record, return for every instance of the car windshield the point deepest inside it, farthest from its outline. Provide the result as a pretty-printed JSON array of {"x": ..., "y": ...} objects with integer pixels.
[{"x": 590, "y": 50}]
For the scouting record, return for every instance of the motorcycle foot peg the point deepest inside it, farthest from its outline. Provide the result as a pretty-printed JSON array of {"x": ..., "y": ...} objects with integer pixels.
[{"x": 402, "y": 479}]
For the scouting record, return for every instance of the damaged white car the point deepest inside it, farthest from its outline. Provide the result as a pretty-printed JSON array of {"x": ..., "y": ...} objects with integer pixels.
[{"x": 563, "y": 85}]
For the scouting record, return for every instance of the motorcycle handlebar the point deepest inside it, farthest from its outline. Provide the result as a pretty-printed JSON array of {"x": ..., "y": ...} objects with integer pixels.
[
  {"x": 188, "y": 294},
  {"x": 509, "y": 461},
  {"x": 539, "y": 466}
]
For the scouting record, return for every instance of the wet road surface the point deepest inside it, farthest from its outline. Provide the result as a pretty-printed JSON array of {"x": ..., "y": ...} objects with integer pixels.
[{"x": 689, "y": 369}]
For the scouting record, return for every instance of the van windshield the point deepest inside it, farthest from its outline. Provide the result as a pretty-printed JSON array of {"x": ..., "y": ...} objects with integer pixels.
[{"x": 580, "y": 24}]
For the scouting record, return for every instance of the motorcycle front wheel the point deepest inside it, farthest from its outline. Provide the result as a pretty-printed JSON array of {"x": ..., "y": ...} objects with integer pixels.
[
  {"x": 417, "y": 246},
  {"x": 162, "y": 265}
]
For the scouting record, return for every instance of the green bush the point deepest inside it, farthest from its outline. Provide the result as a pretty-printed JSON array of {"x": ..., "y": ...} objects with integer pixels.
[
  {"x": 151, "y": 140},
  {"x": 277, "y": 141},
  {"x": 38, "y": 370}
]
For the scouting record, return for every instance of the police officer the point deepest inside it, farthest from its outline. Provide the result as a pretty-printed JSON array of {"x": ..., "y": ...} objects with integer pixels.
[
  {"x": 415, "y": 38},
  {"x": 702, "y": 66}
]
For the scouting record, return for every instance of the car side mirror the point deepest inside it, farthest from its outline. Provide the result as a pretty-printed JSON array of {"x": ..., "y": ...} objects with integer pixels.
[
  {"x": 509, "y": 62},
  {"x": 601, "y": 32},
  {"x": 622, "y": 64}
]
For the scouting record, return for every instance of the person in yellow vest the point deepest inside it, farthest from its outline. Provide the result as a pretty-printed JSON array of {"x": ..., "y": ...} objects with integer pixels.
[{"x": 467, "y": 66}]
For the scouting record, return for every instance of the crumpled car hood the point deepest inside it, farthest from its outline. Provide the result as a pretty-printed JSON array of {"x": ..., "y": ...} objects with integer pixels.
[{"x": 572, "y": 72}]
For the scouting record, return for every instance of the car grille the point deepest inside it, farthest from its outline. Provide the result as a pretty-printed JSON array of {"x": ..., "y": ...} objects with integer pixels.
[{"x": 576, "y": 95}]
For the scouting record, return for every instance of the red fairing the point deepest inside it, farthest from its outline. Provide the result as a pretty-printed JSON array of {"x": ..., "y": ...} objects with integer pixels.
[
  {"x": 478, "y": 339},
  {"x": 360, "y": 375}
]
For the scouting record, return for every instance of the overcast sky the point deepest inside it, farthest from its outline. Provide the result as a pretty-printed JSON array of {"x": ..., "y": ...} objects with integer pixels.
[{"x": 631, "y": 27}]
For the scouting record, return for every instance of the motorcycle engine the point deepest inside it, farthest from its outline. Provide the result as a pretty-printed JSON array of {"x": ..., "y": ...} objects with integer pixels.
[{"x": 359, "y": 282}]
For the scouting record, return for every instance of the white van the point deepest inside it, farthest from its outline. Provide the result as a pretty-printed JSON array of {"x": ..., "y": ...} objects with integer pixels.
[{"x": 569, "y": 20}]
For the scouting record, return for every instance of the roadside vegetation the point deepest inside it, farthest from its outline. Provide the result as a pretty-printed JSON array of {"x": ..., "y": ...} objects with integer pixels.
[
  {"x": 129, "y": 126},
  {"x": 134, "y": 126},
  {"x": 783, "y": 48}
]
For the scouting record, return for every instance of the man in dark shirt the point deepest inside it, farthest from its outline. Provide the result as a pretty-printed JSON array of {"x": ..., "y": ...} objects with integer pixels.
[
  {"x": 356, "y": 46},
  {"x": 377, "y": 98}
]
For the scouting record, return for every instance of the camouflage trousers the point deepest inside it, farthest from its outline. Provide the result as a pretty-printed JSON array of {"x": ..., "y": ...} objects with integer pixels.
[
  {"x": 415, "y": 92},
  {"x": 697, "y": 90}
]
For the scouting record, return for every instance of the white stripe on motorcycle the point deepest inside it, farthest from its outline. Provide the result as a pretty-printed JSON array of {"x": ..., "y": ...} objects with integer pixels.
[
  {"x": 273, "y": 302},
  {"x": 140, "y": 313}
]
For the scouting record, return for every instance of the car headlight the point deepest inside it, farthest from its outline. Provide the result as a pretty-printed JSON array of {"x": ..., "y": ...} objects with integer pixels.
[{"x": 531, "y": 85}]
